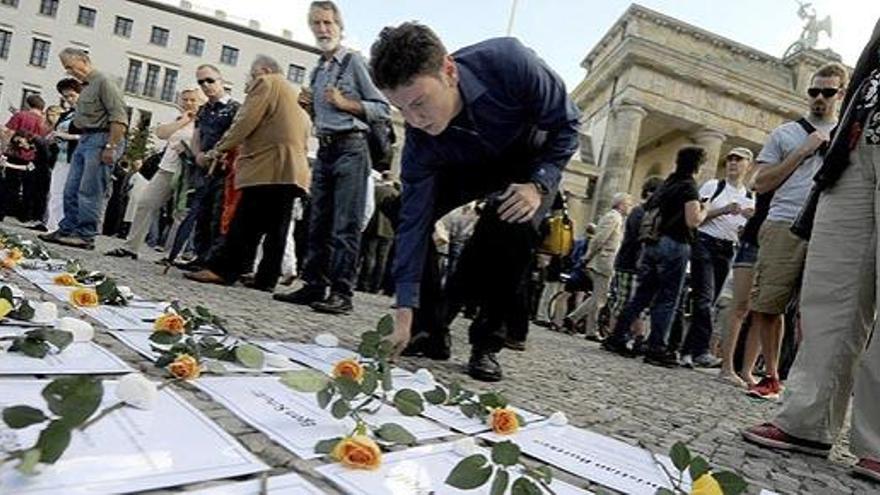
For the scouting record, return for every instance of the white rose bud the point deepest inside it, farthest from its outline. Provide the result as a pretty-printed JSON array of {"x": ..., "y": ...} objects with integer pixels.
[
  {"x": 45, "y": 312},
  {"x": 558, "y": 419},
  {"x": 327, "y": 340},
  {"x": 136, "y": 390},
  {"x": 465, "y": 447},
  {"x": 82, "y": 331},
  {"x": 424, "y": 376},
  {"x": 125, "y": 291}
]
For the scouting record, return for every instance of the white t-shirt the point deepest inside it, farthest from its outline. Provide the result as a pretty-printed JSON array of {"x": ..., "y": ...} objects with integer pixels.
[
  {"x": 171, "y": 159},
  {"x": 726, "y": 226},
  {"x": 791, "y": 195}
]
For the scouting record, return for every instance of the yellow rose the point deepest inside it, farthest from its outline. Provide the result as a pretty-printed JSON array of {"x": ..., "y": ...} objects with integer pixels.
[
  {"x": 358, "y": 452},
  {"x": 84, "y": 298},
  {"x": 170, "y": 323},
  {"x": 350, "y": 368},
  {"x": 15, "y": 255},
  {"x": 504, "y": 421},
  {"x": 9, "y": 263},
  {"x": 185, "y": 367},
  {"x": 706, "y": 485},
  {"x": 65, "y": 279},
  {"x": 5, "y": 307}
]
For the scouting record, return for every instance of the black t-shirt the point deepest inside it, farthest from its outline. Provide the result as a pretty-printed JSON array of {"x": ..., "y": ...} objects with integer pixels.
[
  {"x": 627, "y": 259},
  {"x": 673, "y": 196}
]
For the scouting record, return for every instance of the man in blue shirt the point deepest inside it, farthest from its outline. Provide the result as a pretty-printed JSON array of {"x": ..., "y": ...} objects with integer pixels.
[
  {"x": 489, "y": 121},
  {"x": 343, "y": 103}
]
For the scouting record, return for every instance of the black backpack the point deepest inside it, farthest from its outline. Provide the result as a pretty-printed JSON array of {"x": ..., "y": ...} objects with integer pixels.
[{"x": 380, "y": 136}]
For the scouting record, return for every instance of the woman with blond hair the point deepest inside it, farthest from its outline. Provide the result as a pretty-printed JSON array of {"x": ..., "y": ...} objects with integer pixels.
[{"x": 160, "y": 188}]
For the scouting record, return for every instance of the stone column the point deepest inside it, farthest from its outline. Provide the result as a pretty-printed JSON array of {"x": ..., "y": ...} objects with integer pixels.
[
  {"x": 621, "y": 143},
  {"x": 711, "y": 141}
]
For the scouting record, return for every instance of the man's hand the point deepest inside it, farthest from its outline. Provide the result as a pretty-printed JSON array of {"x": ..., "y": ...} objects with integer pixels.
[
  {"x": 747, "y": 212},
  {"x": 402, "y": 331},
  {"x": 108, "y": 156},
  {"x": 305, "y": 98},
  {"x": 201, "y": 159},
  {"x": 814, "y": 141},
  {"x": 732, "y": 209},
  {"x": 519, "y": 203},
  {"x": 333, "y": 96}
]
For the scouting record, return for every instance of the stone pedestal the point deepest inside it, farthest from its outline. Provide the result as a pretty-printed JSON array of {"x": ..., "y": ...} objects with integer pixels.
[
  {"x": 711, "y": 141},
  {"x": 621, "y": 144}
]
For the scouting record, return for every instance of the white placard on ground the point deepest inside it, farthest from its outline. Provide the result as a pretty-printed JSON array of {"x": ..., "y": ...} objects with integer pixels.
[
  {"x": 60, "y": 292},
  {"x": 37, "y": 276},
  {"x": 293, "y": 419},
  {"x": 285, "y": 484},
  {"x": 598, "y": 458},
  {"x": 311, "y": 355},
  {"x": 137, "y": 315},
  {"x": 420, "y": 470},
  {"x": 77, "y": 358},
  {"x": 452, "y": 417},
  {"x": 129, "y": 450},
  {"x": 140, "y": 342}
]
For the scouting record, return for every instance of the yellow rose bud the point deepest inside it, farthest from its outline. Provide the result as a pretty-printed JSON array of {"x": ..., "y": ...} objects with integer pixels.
[
  {"x": 185, "y": 367},
  {"x": 9, "y": 263},
  {"x": 350, "y": 368},
  {"x": 66, "y": 280},
  {"x": 5, "y": 307},
  {"x": 706, "y": 485},
  {"x": 170, "y": 323},
  {"x": 84, "y": 298},
  {"x": 504, "y": 421},
  {"x": 358, "y": 452},
  {"x": 15, "y": 255}
]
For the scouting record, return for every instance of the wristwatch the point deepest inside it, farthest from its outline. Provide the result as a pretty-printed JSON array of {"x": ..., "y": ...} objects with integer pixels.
[{"x": 542, "y": 189}]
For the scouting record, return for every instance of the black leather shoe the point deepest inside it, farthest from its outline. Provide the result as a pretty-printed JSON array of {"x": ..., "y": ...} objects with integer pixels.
[
  {"x": 252, "y": 284},
  {"x": 484, "y": 366},
  {"x": 335, "y": 305},
  {"x": 666, "y": 359},
  {"x": 305, "y": 295},
  {"x": 121, "y": 253},
  {"x": 52, "y": 237},
  {"x": 515, "y": 345},
  {"x": 195, "y": 265},
  {"x": 76, "y": 242},
  {"x": 438, "y": 348}
]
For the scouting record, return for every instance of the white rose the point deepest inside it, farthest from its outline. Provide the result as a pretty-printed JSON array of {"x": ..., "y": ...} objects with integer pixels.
[
  {"x": 327, "y": 340},
  {"x": 125, "y": 291},
  {"x": 45, "y": 312},
  {"x": 273, "y": 360},
  {"x": 424, "y": 376},
  {"x": 465, "y": 447},
  {"x": 136, "y": 390},
  {"x": 82, "y": 331},
  {"x": 558, "y": 419}
]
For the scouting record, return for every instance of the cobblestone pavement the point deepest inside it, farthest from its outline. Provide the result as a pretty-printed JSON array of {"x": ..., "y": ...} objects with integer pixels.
[{"x": 619, "y": 397}]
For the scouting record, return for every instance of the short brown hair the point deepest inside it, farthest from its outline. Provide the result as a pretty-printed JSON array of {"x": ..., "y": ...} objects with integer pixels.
[
  {"x": 327, "y": 5},
  {"x": 405, "y": 52},
  {"x": 833, "y": 70}
]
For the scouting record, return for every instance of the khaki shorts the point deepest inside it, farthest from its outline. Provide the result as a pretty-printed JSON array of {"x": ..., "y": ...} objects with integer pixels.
[{"x": 778, "y": 269}]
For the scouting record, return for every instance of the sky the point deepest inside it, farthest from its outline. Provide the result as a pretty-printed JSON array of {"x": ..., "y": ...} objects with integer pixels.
[{"x": 562, "y": 32}]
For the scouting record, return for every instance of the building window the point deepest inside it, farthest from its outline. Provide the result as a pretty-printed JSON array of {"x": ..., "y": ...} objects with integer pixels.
[
  {"x": 296, "y": 73},
  {"x": 86, "y": 17},
  {"x": 229, "y": 55},
  {"x": 49, "y": 7},
  {"x": 5, "y": 41},
  {"x": 133, "y": 77},
  {"x": 159, "y": 36},
  {"x": 11, "y": 3},
  {"x": 123, "y": 27},
  {"x": 169, "y": 85},
  {"x": 195, "y": 46},
  {"x": 40, "y": 53},
  {"x": 151, "y": 81},
  {"x": 24, "y": 95}
]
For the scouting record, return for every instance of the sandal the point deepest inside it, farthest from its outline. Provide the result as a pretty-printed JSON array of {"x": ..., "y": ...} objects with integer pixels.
[{"x": 121, "y": 253}]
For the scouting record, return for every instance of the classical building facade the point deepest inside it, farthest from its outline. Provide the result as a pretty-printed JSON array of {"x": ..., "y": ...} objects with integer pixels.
[
  {"x": 151, "y": 49},
  {"x": 654, "y": 84}
]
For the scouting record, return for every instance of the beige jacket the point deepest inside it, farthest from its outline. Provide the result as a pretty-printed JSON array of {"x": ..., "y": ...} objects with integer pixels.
[
  {"x": 273, "y": 131},
  {"x": 605, "y": 244}
]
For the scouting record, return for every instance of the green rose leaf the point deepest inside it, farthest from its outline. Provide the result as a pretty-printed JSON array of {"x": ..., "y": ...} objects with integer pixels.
[
  {"x": 680, "y": 455},
  {"x": 325, "y": 395},
  {"x": 471, "y": 472},
  {"x": 326, "y": 446},
  {"x": 250, "y": 356},
  {"x": 731, "y": 483},
  {"x": 307, "y": 381},
  {"x": 165, "y": 338},
  {"x": 470, "y": 409},
  {"x": 348, "y": 388},
  {"x": 436, "y": 396},
  {"x": 25, "y": 312},
  {"x": 203, "y": 312},
  {"x": 385, "y": 348},
  {"x": 385, "y": 327},
  {"x": 106, "y": 289},
  {"x": 387, "y": 382},
  {"x": 369, "y": 346},
  {"x": 6, "y": 293},
  {"x": 525, "y": 486},
  {"x": 505, "y": 453},
  {"x": 340, "y": 408},
  {"x": 53, "y": 441},
  {"x": 454, "y": 390},
  {"x": 59, "y": 338},
  {"x": 214, "y": 366},
  {"x": 409, "y": 402},
  {"x": 29, "y": 461},
  {"x": 395, "y": 433},
  {"x": 698, "y": 467},
  {"x": 17, "y": 417},
  {"x": 493, "y": 400},
  {"x": 29, "y": 346},
  {"x": 370, "y": 382},
  {"x": 499, "y": 484},
  {"x": 75, "y": 399}
]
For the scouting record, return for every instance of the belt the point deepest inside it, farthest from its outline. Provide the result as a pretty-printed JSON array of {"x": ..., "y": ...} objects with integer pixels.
[
  {"x": 716, "y": 240},
  {"x": 337, "y": 137},
  {"x": 94, "y": 131}
]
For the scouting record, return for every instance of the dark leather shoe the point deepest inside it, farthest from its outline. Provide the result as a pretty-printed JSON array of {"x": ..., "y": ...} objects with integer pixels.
[
  {"x": 438, "y": 348},
  {"x": 190, "y": 266},
  {"x": 484, "y": 366},
  {"x": 305, "y": 295},
  {"x": 52, "y": 237},
  {"x": 121, "y": 253},
  {"x": 515, "y": 345},
  {"x": 335, "y": 305},
  {"x": 205, "y": 277},
  {"x": 666, "y": 359},
  {"x": 252, "y": 284},
  {"x": 76, "y": 242}
]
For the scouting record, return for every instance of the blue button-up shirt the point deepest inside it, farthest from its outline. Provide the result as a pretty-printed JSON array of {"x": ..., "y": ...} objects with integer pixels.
[
  {"x": 518, "y": 125},
  {"x": 354, "y": 83}
]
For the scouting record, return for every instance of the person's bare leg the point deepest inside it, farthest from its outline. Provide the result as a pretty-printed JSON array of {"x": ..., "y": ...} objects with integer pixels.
[
  {"x": 773, "y": 346},
  {"x": 742, "y": 283},
  {"x": 754, "y": 346}
]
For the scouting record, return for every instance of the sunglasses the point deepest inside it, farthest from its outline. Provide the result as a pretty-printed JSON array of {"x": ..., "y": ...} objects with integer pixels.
[
  {"x": 826, "y": 92},
  {"x": 206, "y": 80}
]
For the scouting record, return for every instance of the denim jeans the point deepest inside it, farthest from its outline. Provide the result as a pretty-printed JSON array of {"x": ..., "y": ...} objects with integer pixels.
[
  {"x": 86, "y": 187},
  {"x": 661, "y": 277},
  {"x": 203, "y": 216},
  {"x": 339, "y": 188},
  {"x": 710, "y": 263}
]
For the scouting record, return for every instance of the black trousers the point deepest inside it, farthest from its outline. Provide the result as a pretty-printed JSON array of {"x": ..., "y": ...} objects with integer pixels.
[
  {"x": 208, "y": 211},
  {"x": 35, "y": 190},
  {"x": 263, "y": 214},
  {"x": 11, "y": 201}
]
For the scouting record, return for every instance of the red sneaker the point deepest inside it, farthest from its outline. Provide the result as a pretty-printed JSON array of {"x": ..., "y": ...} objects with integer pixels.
[
  {"x": 770, "y": 436},
  {"x": 868, "y": 468},
  {"x": 768, "y": 389}
]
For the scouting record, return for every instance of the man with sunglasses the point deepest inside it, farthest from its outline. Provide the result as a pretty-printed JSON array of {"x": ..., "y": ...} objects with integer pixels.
[{"x": 786, "y": 165}]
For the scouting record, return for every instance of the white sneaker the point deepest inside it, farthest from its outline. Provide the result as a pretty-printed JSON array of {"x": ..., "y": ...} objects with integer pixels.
[
  {"x": 707, "y": 361},
  {"x": 686, "y": 361}
]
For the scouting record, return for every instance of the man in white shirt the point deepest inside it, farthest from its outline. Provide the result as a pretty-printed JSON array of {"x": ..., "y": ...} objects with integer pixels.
[{"x": 729, "y": 204}]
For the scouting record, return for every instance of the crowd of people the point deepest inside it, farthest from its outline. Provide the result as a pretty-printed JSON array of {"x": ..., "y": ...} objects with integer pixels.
[{"x": 489, "y": 129}]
